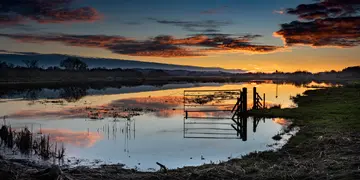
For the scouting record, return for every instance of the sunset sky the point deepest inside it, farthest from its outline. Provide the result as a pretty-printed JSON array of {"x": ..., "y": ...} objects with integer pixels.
[{"x": 253, "y": 35}]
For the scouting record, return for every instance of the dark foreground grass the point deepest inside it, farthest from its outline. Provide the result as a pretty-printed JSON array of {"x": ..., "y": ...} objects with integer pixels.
[
  {"x": 327, "y": 146},
  {"x": 26, "y": 143}
]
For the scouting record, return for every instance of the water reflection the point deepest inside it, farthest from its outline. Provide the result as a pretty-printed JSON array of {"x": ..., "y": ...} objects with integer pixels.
[
  {"x": 164, "y": 103},
  {"x": 73, "y": 94},
  {"x": 147, "y": 139},
  {"x": 100, "y": 124},
  {"x": 75, "y": 138},
  {"x": 221, "y": 128}
]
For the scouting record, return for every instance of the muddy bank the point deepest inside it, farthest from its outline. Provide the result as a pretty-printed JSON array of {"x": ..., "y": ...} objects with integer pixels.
[{"x": 335, "y": 157}]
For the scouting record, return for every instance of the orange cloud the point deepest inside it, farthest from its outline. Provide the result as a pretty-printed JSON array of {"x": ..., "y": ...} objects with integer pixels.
[
  {"x": 279, "y": 11},
  {"x": 160, "y": 46}
]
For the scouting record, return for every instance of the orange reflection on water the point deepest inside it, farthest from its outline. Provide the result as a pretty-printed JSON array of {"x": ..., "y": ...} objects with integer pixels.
[
  {"x": 153, "y": 103},
  {"x": 66, "y": 112},
  {"x": 80, "y": 139},
  {"x": 281, "y": 121},
  {"x": 168, "y": 112},
  {"x": 168, "y": 100},
  {"x": 162, "y": 102}
]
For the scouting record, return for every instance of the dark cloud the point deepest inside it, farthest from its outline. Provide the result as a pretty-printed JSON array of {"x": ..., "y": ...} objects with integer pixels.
[
  {"x": 10, "y": 19},
  {"x": 325, "y": 9},
  {"x": 210, "y": 30},
  {"x": 196, "y": 26},
  {"x": 252, "y": 36},
  {"x": 160, "y": 46},
  {"x": 212, "y": 34},
  {"x": 44, "y": 11},
  {"x": 324, "y": 23},
  {"x": 21, "y": 27},
  {"x": 116, "y": 44},
  {"x": 246, "y": 37}
]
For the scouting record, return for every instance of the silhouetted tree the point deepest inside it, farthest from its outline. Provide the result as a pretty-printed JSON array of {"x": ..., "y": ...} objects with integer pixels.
[
  {"x": 52, "y": 68},
  {"x": 74, "y": 64},
  {"x": 31, "y": 63},
  {"x": 353, "y": 69}
]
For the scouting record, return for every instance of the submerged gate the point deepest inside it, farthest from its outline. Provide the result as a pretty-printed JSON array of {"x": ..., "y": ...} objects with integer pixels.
[{"x": 218, "y": 114}]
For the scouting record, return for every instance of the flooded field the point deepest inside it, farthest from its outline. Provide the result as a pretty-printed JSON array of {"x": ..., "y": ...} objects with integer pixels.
[{"x": 139, "y": 126}]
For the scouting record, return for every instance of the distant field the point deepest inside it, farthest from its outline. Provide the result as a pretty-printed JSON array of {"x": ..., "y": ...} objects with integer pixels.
[{"x": 26, "y": 76}]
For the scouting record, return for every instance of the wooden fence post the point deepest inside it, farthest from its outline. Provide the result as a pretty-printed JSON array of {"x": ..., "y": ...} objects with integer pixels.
[{"x": 244, "y": 98}]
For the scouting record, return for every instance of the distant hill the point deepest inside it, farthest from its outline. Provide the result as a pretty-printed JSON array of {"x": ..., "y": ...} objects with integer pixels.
[{"x": 46, "y": 60}]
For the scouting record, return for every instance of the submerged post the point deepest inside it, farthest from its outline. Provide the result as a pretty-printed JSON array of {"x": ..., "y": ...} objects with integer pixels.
[
  {"x": 244, "y": 99},
  {"x": 254, "y": 98}
]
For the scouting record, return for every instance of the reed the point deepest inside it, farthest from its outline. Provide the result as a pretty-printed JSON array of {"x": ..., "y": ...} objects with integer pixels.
[{"x": 26, "y": 143}]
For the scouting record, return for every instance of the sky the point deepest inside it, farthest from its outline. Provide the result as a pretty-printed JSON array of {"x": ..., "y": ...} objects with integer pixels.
[{"x": 252, "y": 35}]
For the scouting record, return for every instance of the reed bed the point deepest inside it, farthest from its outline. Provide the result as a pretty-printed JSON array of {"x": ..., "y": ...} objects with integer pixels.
[{"x": 27, "y": 143}]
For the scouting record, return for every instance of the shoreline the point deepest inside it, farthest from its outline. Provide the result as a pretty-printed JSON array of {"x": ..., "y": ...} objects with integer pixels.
[
  {"x": 326, "y": 147},
  {"x": 166, "y": 80}
]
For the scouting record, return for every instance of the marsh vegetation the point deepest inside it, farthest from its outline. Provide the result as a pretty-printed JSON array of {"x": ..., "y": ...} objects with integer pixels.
[{"x": 27, "y": 143}]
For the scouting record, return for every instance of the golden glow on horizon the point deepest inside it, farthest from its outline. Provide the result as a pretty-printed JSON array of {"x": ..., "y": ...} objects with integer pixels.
[{"x": 309, "y": 59}]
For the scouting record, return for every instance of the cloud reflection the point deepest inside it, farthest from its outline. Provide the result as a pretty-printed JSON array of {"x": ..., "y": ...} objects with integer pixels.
[
  {"x": 281, "y": 121},
  {"x": 79, "y": 139},
  {"x": 160, "y": 106}
]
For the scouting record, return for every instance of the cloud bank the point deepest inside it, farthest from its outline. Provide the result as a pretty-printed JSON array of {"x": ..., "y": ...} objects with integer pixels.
[
  {"x": 44, "y": 11},
  {"x": 160, "y": 46},
  {"x": 333, "y": 23},
  {"x": 205, "y": 26}
]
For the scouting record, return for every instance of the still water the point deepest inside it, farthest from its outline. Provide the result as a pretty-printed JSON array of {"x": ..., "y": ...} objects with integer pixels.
[{"x": 139, "y": 126}]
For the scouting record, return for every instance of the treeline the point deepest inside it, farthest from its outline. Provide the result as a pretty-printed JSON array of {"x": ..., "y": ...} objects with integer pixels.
[
  {"x": 70, "y": 69},
  {"x": 347, "y": 73},
  {"x": 73, "y": 69}
]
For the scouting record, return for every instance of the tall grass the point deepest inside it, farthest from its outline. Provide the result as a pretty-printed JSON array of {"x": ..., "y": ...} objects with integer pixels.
[{"x": 26, "y": 143}]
